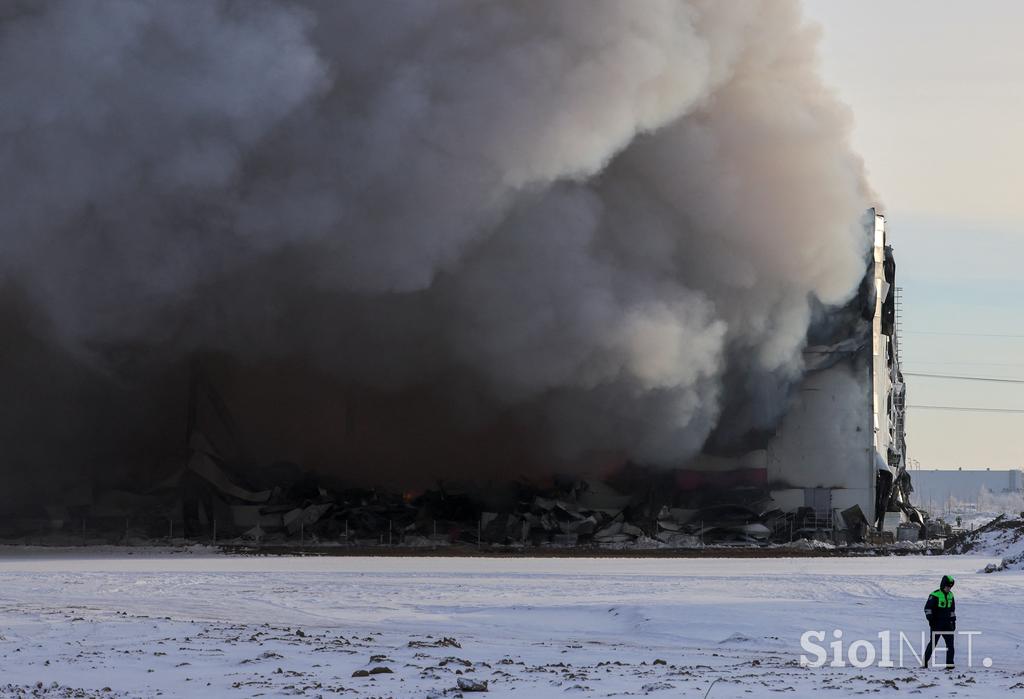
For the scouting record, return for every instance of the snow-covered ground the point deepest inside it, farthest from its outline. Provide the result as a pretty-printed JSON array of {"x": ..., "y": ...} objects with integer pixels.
[
  {"x": 197, "y": 624},
  {"x": 975, "y": 513},
  {"x": 1001, "y": 538}
]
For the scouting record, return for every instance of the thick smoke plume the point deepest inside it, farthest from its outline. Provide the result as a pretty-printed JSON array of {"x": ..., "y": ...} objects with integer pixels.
[{"x": 444, "y": 236}]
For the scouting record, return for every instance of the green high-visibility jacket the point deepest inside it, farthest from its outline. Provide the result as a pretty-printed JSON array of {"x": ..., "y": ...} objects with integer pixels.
[{"x": 940, "y": 610}]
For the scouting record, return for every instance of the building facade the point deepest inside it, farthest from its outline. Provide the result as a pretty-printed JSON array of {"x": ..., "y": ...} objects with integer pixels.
[{"x": 841, "y": 445}]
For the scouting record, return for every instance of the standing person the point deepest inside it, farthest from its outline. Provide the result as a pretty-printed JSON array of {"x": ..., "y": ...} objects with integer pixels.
[{"x": 940, "y": 610}]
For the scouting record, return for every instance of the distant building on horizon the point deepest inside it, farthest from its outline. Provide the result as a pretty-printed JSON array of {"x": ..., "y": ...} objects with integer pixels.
[{"x": 936, "y": 486}]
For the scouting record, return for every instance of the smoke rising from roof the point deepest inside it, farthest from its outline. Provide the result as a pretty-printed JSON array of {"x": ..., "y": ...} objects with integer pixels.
[{"x": 565, "y": 228}]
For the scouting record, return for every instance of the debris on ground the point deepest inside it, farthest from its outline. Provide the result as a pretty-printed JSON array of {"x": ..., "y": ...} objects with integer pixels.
[
  {"x": 1003, "y": 537},
  {"x": 467, "y": 685},
  {"x": 214, "y": 493}
]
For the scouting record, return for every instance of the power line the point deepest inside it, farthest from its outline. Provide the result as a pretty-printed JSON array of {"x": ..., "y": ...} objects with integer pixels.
[
  {"x": 962, "y": 378},
  {"x": 966, "y": 409},
  {"x": 931, "y": 363},
  {"x": 931, "y": 332}
]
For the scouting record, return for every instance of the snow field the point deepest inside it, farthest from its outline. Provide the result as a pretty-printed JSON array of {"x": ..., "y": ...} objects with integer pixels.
[{"x": 203, "y": 625}]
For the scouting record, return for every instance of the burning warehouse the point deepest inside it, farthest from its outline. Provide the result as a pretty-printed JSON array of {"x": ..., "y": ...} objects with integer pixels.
[
  {"x": 835, "y": 460},
  {"x": 841, "y": 445},
  {"x": 597, "y": 265}
]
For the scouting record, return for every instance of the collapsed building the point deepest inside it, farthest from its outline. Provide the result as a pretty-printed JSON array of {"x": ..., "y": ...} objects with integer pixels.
[
  {"x": 842, "y": 447},
  {"x": 833, "y": 468}
]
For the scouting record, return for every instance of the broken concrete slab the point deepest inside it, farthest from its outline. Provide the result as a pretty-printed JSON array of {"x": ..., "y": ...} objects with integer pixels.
[
  {"x": 632, "y": 530},
  {"x": 568, "y": 509},
  {"x": 300, "y": 518},
  {"x": 468, "y": 685},
  {"x": 613, "y": 529},
  {"x": 206, "y": 467},
  {"x": 545, "y": 504}
]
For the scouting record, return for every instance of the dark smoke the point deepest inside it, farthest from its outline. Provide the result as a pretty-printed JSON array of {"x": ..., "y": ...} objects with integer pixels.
[{"x": 412, "y": 238}]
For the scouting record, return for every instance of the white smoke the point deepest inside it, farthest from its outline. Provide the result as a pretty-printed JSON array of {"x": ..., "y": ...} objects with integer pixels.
[{"x": 593, "y": 212}]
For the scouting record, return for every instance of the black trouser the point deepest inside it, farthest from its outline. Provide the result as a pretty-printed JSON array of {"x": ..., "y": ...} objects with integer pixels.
[{"x": 947, "y": 638}]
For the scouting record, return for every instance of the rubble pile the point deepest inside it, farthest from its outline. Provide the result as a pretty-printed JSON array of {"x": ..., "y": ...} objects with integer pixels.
[
  {"x": 1003, "y": 537},
  {"x": 213, "y": 492},
  {"x": 210, "y": 500}
]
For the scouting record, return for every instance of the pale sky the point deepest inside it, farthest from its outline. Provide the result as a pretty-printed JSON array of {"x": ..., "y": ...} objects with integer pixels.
[{"x": 937, "y": 95}]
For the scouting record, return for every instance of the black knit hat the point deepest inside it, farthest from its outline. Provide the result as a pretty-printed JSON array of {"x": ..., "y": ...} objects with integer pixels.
[{"x": 947, "y": 581}]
